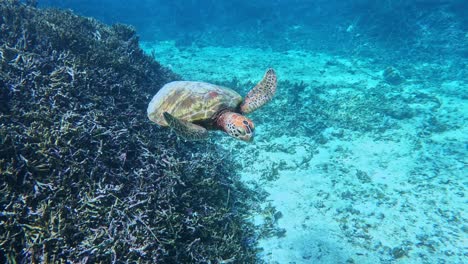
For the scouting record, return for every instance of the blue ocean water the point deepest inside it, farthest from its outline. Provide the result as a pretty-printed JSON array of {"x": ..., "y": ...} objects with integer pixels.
[{"x": 363, "y": 150}]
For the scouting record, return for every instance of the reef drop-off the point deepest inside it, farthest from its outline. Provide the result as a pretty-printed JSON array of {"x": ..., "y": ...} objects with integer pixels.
[{"x": 84, "y": 176}]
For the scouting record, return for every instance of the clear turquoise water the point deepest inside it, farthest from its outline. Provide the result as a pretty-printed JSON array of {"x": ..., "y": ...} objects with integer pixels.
[{"x": 367, "y": 136}]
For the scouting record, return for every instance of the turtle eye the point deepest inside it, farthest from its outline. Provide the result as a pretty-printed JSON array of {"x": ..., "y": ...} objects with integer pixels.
[{"x": 245, "y": 122}]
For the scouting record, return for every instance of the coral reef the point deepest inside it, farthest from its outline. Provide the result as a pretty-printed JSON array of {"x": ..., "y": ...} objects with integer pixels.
[
  {"x": 392, "y": 76},
  {"x": 84, "y": 176}
]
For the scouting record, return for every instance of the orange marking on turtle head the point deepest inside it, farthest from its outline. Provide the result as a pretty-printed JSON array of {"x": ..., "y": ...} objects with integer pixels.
[{"x": 237, "y": 125}]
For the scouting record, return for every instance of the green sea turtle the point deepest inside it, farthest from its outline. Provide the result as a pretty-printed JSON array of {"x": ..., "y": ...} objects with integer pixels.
[{"x": 191, "y": 108}]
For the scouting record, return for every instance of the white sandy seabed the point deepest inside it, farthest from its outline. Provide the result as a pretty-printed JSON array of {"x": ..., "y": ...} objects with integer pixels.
[{"x": 356, "y": 197}]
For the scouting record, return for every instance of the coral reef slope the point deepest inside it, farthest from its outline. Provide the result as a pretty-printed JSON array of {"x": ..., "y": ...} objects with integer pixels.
[{"x": 84, "y": 176}]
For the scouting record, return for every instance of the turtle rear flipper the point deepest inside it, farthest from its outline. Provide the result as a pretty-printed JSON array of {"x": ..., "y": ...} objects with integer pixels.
[
  {"x": 261, "y": 94},
  {"x": 187, "y": 130}
]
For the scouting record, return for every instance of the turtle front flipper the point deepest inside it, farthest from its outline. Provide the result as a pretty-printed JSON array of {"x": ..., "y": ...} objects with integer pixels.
[
  {"x": 187, "y": 130},
  {"x": 261, "y": 94}
]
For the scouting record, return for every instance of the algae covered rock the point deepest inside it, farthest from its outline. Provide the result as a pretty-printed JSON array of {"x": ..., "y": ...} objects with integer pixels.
[
  {"x": 392, "y": 76},
  {"x": 84, "y": 176}
]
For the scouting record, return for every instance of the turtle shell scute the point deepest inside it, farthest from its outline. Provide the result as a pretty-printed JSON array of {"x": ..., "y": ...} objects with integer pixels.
[{"x": 191, "y": 101}]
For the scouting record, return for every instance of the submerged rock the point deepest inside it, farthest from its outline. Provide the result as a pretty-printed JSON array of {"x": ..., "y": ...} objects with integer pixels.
[{"x": 392, "y": 76}]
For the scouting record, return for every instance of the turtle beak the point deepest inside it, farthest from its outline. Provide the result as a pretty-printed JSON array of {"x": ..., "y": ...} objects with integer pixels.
[{"x": 249, "y": 136}]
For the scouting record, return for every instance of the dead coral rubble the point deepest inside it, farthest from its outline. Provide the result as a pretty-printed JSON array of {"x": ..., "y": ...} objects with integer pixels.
[{"x": 84, "y": 176}]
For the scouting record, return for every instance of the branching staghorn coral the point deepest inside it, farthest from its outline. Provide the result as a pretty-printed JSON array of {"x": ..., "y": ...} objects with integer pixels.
[{"x": 84, "y": 176}]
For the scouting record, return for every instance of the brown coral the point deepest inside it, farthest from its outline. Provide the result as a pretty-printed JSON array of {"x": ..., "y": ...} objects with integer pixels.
[{"x": 84, "y": 176}]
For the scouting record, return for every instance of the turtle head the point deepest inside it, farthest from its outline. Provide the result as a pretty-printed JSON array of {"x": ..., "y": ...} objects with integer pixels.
[{"x": 237, "y": 125}]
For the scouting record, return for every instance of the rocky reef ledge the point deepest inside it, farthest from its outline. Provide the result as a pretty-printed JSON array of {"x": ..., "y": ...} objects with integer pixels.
[{"x": 84, "y": 176}]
